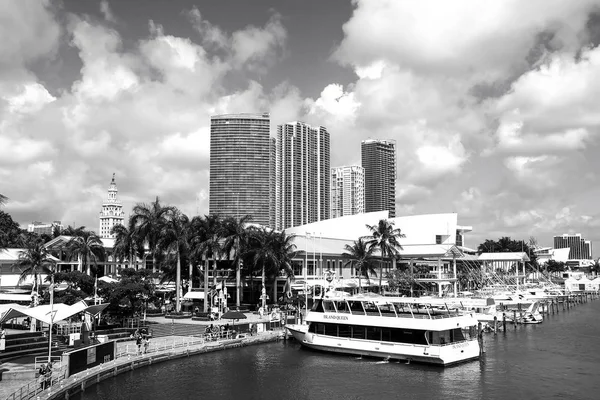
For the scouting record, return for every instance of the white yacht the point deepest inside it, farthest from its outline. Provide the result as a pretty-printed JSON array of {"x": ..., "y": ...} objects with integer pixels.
[{"x": 389, "y": 328}]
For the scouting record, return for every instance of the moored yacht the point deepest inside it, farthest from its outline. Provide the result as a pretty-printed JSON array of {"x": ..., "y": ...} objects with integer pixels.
[{"x": 388, "y": 328}]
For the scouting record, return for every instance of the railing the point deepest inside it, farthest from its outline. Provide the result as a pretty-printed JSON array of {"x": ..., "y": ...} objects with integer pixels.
[
  {"x": 37, "y": 386},
  {"x": 31, "y": 389},
  {"x": 435, "y": 276}
]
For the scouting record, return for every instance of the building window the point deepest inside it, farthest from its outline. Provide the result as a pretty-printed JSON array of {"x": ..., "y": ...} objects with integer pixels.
[{"x": 438, "y": 239}]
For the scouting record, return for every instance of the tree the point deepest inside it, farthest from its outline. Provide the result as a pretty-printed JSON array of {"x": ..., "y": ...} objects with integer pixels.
[
  {"x": 207, "y": 242},
  {"x": 124, "y": 246},
  {"x": 384, "y": 237},
  {"x": 285, "y": 251},
  {"x": 79, "y": 286},
  {"x": 34, "y": 261},
  {"x": 236, "y": 237},
  {"x": 9, "y": 231},
  {"x": 264, "y": 254},
  {"x": 87, "y": 248},
  {"x": 360, "y": 257},
  {"x": 131, "y": 292},
  {"x": 146, "y": 223},
  {"x": 506, "y": 244},
  {"x": 3, "y": 199},
  {"x": 172, "y": 239}
]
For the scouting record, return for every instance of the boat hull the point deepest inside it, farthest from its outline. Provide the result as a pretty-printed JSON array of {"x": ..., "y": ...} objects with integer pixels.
[{"x": 439, "y": 355}]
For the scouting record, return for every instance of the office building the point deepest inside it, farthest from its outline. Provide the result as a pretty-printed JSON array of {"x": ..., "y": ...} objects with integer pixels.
[
  {"x": 302, "y": 174},
  {"x": 379, "y": 162},
  {"x": 347, "y": 191},
  {"x": 580, "y": 249},
  {"x": 240, "y": 167},
  {"x": 112, "y": 213},
  {"x": 42, "y": 228}
]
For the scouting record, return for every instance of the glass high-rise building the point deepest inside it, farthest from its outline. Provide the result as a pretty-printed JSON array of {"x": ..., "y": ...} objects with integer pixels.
[
  {"x": 580, "y": 249},
  {"x": 240, "y": 167},
  {"x": 347, "y": 191},
  {"x": 378, "y": 159},
  {"x": 302, "y": 174}
]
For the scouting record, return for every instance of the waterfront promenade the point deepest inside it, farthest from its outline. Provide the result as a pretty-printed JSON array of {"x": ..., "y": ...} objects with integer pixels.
[{"x": 160, "y": 349}]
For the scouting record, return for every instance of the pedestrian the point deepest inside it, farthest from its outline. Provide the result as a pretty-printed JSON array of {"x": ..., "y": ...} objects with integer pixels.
[
  {"x": 48, "y": 374},
  {"x": 138, "y": 342},
  {"x": 2, "y": 339},
  {"x": 146, "y": 343},
  {"x": 42, "y": 376}
]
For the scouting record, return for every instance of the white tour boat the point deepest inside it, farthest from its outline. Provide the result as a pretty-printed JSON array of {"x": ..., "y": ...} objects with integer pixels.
[{"x": 389, "y": 328}]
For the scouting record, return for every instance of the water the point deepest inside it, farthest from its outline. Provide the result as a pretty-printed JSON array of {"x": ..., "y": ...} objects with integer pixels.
[{"x": 557, "y": 359}]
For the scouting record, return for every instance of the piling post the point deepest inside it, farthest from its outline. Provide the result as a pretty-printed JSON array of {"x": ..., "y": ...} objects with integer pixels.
[
  {"x": 495, "y": 325},
  {"x": 504, "y": 322},
  {"x": 515, "y": 318},
  {"x": 480, "y": 337}
]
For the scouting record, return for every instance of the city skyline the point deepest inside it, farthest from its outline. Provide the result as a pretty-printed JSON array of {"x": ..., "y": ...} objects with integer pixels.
[{"x": 496, "y": 122}]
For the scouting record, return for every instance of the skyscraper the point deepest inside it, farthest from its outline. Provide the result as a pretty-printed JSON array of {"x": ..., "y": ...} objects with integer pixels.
[
  {"x": 112, "y": 213},
  {"x": 379, "y": 161},
  {"x": 347, "y": 191},
  {"x": 302, "y": 174},
  {"x": 580, "y": 249},
  {"x": 240, "y": 165}
]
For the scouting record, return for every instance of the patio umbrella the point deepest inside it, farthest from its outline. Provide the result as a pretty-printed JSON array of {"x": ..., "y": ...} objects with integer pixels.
[{"x": 233, "y": 315}]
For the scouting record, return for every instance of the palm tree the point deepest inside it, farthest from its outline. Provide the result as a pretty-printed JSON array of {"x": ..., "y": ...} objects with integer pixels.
[
  {"x": 384, "y": 237},
  {"x": 146, "y": 223},
  {"x": 173, "y": 239},
  {"x": 124, "y": 247},
  {"x": 264, "y": 254},
  {"x": 236, "y": 235},
  {"x": 207, "y": 244},
  {"x": 34, "y": 261},
  {"x": 285, "y": 251},
  {"x": 3, "y": 199},
  {"x": 86, "y": 247},
  {"x": 360, "y": 256}
]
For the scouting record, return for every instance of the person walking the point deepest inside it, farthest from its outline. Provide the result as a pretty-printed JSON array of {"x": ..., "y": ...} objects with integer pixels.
[
  {"x": 146, "y": 342},
  {"x": 2, "y": 339},
  {"x": 138, "y": 342}
]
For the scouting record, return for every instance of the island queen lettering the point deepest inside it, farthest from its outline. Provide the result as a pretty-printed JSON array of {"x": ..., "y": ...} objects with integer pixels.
[{"x": 334, "y": 316}]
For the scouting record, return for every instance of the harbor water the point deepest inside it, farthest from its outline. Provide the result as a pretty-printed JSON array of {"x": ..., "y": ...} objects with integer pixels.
[{"x": 558, "y": 359}]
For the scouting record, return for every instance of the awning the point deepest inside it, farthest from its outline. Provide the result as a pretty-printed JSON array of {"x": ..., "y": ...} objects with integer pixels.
[
  {"x": 44, "y": 312},
  {"x": 194, "y": 296}
]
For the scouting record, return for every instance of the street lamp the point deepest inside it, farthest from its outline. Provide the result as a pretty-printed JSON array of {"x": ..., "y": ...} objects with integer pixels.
[{"x": 52, "y": 314}]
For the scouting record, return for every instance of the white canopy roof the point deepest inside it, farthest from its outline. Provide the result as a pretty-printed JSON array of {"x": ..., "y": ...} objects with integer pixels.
[
  {"x": 44, "y": 312},
  {"x": 194, "y": 295}
]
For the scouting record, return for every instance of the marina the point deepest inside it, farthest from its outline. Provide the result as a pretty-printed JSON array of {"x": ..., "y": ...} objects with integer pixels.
[{"x": 553, "y": 360}]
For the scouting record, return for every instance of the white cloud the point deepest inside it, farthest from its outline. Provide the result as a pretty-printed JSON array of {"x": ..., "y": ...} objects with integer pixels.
[
  {"x": 106, "y": 11},
  {"x": 31, "y": 97},
  {"x": 468, "y": 38}
]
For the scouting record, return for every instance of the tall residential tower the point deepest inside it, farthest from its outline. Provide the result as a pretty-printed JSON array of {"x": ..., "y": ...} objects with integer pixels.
[
  {"x": 580, "y": 249},
  {"x": 112, "y": 213},
  {"x": 347, "y": 191},
  {"x": 240, "y": 165},
  {"x": 379, "y": 161},
  {"x": 302, "y": 174}
]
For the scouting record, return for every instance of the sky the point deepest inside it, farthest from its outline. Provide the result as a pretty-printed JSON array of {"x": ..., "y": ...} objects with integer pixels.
[{"x": 493, "y": 105}]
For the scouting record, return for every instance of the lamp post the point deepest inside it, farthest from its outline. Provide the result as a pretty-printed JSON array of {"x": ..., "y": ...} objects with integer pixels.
[
  {"x": 52, "y": 313},
  {"x": 306, "y": 271}
]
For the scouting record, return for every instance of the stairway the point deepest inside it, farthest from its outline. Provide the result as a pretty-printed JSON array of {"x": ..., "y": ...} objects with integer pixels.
[{"x": 162, "y": 330}]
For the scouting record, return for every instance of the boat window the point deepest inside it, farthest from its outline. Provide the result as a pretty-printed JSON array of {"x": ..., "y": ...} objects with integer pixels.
[
  {"x": 316, "y": 327},
  {"x": 456, "y": 335},
  {"x": 344, "y": 331},
  {"x": 373, "y": 333},
  {"x": 387, "y": 310},
  {"x": 439, "y": 337},
  {"x": 342, "y": 307},
  {"x": 318, "y": 306},
  {"x": 386, "y": 334},
  {"x": 469, "y": 332},
  {"x": 331, "y": 329},
  {"x": 371, "y": 308},
  {"x": 413, "y": 336},
  {"x": 328, "y": 306},
  {"x": 356, "y": 307},
  {"x": 358, "y": 332}
]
